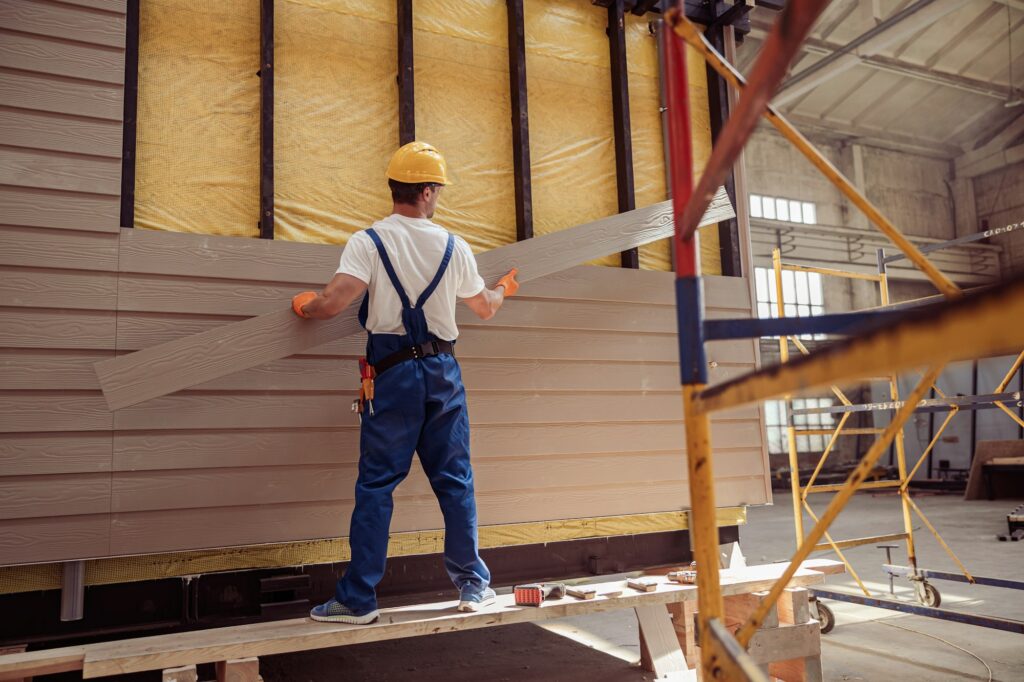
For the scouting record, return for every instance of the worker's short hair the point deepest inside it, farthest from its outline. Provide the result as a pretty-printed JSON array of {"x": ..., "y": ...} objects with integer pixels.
[{"x": 408, "y": 193}]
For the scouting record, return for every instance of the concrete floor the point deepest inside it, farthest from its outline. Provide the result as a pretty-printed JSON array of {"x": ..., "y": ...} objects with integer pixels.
[{"x": 867, "y": 644}]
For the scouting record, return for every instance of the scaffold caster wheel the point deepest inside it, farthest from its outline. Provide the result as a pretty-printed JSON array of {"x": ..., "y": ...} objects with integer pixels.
[
  {"x": 929, "y": 595},
  {"x": 826, "y": 618}
]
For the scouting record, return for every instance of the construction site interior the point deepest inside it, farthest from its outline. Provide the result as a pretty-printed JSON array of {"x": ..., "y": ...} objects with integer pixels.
[{"x": 756, "y": 412}]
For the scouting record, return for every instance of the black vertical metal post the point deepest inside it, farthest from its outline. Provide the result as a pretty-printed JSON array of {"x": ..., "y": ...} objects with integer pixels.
[
  {"x": 718, "y": 105},
  {"x": 130, "y": 113},
  {"x": 974, "y": 413},
  {"x": 620, "y": 119},
  {"x": 406, "y": 91},
  {"x": 931, "y": 433},
  {"x": 520, "y": 119},
  {"x": 1020, "y": 387},
  {"x": 266, "y": 74}
]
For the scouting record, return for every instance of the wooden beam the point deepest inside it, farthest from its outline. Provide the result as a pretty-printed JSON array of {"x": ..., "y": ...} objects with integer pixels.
[
  {"x": 520, "y": 119},
  {"x": 131, "y": 109},
  {"x": 406, "y": 90},
  {"x": 664, "y": 657},
  {"x": 620, "y": 119},
  {"x": 266, "y": 74},
  {"x": 302, "y": 634},
  {"x": 179, "y": 364}
]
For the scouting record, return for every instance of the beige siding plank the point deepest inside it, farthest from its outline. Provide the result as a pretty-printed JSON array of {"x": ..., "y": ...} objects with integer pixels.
[
  {"x": 160, "y": 450},
  {"x": 23, "y": 497},
  {"x": 112, "y": 6},
  {"x": 54, "y": 538},
  {"x": 65, "y": 289},
  {"x": 339, "y": 373},
  {"x": 41, "y": 54},
  {"x": 173, "y": 530},
  {"x": 46, "y": 248},
  {"x": 195, "y": 255},
  {"x": 47, "y": 411},
  {"x": 59, "y": 132},
  {"x": 34, "y": 369},
  {"x": 61, "y": 95},
  {"x": 158, "y": 371},
  {"x": 55, "y": 170},
  {"x": 60, "y": 453},
  {"x": 65, "y": 21},
  {"x": 28, "y": 328},
  {"x": 210, "y": 411},
  {"x": 211, "y": 488},
  {"x": 46, "y": 208}
]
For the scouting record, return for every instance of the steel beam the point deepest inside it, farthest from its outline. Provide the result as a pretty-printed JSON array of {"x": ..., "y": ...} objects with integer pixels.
[
  {"x": 890, "y": 31},
  {"x": 927, "y": 611}
]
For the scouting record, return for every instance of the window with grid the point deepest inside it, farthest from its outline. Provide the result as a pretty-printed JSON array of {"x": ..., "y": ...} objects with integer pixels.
[
  {"x": 775, "y": 421},
  {"x": 802, "y": 295},
  {"x": 786, "y": 210}
]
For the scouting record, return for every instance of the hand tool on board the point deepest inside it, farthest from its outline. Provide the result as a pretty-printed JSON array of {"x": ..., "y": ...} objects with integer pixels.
[{"x": 532, "y": 594}]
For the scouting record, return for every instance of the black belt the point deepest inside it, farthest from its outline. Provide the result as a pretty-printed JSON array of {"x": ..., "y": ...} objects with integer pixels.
[{"x": 423, "y": 350}]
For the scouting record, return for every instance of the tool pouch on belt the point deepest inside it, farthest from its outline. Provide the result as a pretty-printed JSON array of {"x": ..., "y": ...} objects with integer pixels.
[{"x": 366, "y": 376}]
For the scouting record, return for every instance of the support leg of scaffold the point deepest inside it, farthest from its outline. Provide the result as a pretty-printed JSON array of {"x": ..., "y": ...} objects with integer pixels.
[
  {"x": 794, "y": 458},
  {"x": 856, "y": 477}
]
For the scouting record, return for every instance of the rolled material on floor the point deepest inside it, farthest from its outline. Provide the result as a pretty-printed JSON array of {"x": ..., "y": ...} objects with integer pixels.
[{"x": 180, "y": 364}]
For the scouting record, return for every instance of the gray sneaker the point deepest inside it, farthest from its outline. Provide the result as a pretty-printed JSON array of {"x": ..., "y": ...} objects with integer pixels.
[
  {"x": 336, "y": 612},
  {"x": 471, "y": 599}
]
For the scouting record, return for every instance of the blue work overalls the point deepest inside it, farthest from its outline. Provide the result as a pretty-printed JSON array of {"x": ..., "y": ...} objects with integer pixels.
[{"x": 419, "y": 405}]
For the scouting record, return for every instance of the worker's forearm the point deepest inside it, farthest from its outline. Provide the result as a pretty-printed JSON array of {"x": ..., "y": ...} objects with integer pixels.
[
  {"x": 495, "y": 297},
  {"x": 323, "y": 308}
]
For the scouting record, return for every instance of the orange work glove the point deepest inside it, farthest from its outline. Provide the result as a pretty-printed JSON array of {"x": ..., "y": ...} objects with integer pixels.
[
  {"x": 300, "y": 300},
  {"x": 509, "y": 282}
]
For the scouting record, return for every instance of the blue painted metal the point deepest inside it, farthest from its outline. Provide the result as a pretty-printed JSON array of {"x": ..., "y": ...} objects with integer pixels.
[
  {"x": 927, "y": 611},
  {"x": 927, "y": 573},
  {"x": 837, "y": 323},
  {"x": 693, "y": 365}
]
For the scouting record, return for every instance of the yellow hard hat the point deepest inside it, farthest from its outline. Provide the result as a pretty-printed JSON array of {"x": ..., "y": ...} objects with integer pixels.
[{"x": 418, "y": 162}]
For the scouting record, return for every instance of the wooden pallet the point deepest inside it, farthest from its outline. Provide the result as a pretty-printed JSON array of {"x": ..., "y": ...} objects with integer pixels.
[{"x": 235, "y": 649}]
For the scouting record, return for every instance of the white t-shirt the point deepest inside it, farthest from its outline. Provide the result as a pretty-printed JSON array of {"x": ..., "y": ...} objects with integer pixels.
[{"x": 415, "y": 247}]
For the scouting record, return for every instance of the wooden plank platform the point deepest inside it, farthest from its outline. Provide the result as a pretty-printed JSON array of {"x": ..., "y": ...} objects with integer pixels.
[{"x": 162, "y": 652}]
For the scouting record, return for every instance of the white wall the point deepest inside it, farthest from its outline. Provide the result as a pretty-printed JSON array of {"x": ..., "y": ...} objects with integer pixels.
[{"x": 999, "y": 201}]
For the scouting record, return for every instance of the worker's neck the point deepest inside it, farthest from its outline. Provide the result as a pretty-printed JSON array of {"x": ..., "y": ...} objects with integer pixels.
[{"x": 410, "y": 211}]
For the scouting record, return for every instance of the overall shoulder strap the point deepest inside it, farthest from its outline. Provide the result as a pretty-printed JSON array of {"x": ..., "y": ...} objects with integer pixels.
[
  {"x": 440, "y": 272},
  {"x": 392, "y": 275}
]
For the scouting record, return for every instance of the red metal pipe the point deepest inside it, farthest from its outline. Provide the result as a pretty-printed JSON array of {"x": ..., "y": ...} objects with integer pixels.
[
  {"x": 680, "y": 148},
  {"x": 792, "y": 26}
]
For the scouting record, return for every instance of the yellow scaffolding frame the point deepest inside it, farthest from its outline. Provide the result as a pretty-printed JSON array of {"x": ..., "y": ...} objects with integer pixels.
[{"x": 913, "y": 342}]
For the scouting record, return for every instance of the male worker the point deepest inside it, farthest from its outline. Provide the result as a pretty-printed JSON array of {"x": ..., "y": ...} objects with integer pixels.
[{"x": 413, "y": 271}]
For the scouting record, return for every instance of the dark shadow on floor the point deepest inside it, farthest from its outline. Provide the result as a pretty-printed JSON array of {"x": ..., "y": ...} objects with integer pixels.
[{"x": 511, "y": 652}]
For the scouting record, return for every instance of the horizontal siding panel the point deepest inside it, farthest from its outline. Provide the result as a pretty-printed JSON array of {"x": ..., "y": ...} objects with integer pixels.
[
  {"x": 59, "y": 58},
  {"x": 210, "y": 488},
  {"x": 54, "y": 170},
  {"x": 31, "y": 328},
  {"x": 221, "y": 527},
  {"x": 194, "y": 255},
  {"x": 339, "y": 373},
  {"x": 45, "y": 412},
  {"x": 112, "y": 6},
  {"x": 210, "y": 411},
  {"x": 61, "y": 95},
  {"x": 47, "y": 248},
  {"x": 66, "y": 21},
  {"x": 65, "y": 289},
  {"x": 58, "y": 453},
  {"x": 45, "y": 208},
  {"x": 24, "y": 497},
  {"x": 61, "y": 133},
  {"x": 54, "y": 538},
  {"x": 34, "y": 370},
  {"x": 162, "y": 450}
]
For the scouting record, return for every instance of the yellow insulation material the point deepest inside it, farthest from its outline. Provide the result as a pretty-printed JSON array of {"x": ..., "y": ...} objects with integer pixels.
[
  {"x": 648, "y": 146},
  {"x": 463, "y": 107},
  {"x": 335, "y": 116},
  {"x": 572, "y": 150},
  {"x": 197, "y": 147}
]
